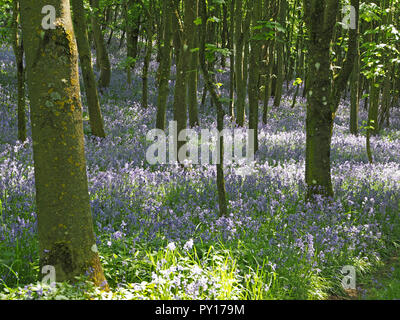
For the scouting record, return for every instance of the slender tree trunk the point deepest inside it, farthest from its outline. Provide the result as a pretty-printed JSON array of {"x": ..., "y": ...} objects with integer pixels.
[
  {"x": 85, "y": 57},
  {"x": 101, "y": 50},
  {"x": 373, "y": 110},
  {"x": 66, "y": 236},
  {"x": 355, "y": 89},
  {"x": 165, "y": 66},
  {"x": 239, "y": 42},
  {"x": 220, "y": 114},
  {"x": 192, "y": 75},
  {"x": 180, "y": 93},
  {"x": 232, "y": 62},
  {"x": 254, "y": 74},
  {"x": 354, "y": 100},
  {"x": 19, "y": 59},
  {"x": 146, "y": 63},
  {"x": 280, "y": 55},
  {"x": 132, "y": 21}
]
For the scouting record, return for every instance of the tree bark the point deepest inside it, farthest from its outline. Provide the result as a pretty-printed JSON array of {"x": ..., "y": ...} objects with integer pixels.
[
  {"x": 320, "y": 18},
  {"x": 65, "y": 226}
]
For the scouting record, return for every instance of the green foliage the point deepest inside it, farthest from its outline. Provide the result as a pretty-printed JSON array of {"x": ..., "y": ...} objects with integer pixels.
[
  {"x": 6, "y": 9},
  {"x": 268, "y": 30}
]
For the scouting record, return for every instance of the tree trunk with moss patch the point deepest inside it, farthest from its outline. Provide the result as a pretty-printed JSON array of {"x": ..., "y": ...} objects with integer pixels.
[
  {"x": 65, "y": 226},
  {"x": 85, "y": 57}
]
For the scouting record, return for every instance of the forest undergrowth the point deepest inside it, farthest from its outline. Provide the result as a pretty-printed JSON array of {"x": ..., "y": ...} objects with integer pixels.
[{"x": 159, "y": 233}]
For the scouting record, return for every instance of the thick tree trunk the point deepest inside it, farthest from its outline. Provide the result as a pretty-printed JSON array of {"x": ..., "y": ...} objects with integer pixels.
[
  {"x": 320, "y": 18},
  {"x": 319, "y": 122},
  {"x": 65, "y": 226},
  {"x": 85, "y": 57}
]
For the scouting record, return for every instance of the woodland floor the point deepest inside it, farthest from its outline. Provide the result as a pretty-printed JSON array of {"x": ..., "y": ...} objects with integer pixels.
[{"x": 273, "y": 245}]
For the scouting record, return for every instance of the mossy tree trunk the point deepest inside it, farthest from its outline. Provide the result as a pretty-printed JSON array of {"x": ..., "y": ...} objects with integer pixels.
[
  {"x": 85, "y": 57},
  {"x": 65, "y": 226}
]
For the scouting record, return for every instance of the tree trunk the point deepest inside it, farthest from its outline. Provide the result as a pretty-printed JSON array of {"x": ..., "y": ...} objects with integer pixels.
[
  {"x": 65, "y": 226},
  {"x": 101, "y": 50},
  {"x": 19, "y": 59},
  {"x": 232, "y": 62},
  {"x": 146, "y": 63},
  {"x": 254, "y": 74},
  {"x": 132, "y": 21},
  {"x": 280, "y": 54},
  {"x": 355, "y": 90},
  {"x": 373, "y": 110},
  {"x": 180, "y": 93},
  {"x": 239, "y": 39},
  {"x": 165, "y": 66},
  {"x": 85, "y": 57},
  {"x": 192, "y": 75},
  {"x": 223, "y": 210},
  {"x": 320, "y": 20}
]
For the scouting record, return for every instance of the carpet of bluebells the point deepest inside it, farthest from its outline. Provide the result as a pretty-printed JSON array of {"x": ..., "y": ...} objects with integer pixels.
[{"x": 158, "y": 229}]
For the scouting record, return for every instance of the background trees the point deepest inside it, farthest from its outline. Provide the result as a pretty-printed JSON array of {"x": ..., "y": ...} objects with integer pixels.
[{"x": 227, "y": 62}]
